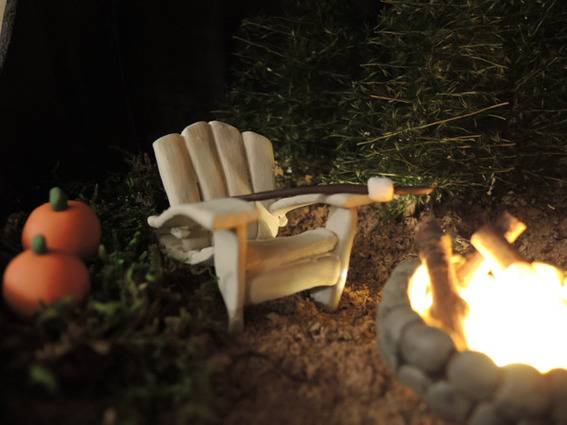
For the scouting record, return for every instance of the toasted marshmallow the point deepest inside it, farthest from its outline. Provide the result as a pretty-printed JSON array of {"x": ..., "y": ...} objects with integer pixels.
[{"x": 380, "y": 189}]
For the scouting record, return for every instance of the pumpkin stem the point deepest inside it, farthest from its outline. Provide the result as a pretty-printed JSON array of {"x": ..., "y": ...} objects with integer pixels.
[
  {"x": 39, "y": 245},
  {"x": 58, "y": 199}
]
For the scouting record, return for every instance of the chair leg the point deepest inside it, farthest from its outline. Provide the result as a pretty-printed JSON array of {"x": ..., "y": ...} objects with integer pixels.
[
  {"x": 341, "y": 221},
  {"x": 230, "y": 257}
]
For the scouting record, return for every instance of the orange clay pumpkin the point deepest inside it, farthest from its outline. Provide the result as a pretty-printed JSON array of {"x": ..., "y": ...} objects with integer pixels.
[
  {"x": 71, "y": 227},
  {"x": 39, "y": 276}
]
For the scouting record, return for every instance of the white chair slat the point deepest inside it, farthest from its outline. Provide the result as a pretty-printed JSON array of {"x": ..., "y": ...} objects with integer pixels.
[
  {"x": 202, "y": 150},
  {"x": 292, "y": 278},
  {"x": 2, "y": 10},
  {"x": 260, "y": 155},
  {"x": 269, "y": 254},
  {"x": 230, "y": 148},
  {"x": 176, "y": 170}
]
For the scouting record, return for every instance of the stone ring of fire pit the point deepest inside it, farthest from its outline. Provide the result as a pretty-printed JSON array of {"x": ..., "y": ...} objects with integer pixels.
[{"x": 466, "y": 386}]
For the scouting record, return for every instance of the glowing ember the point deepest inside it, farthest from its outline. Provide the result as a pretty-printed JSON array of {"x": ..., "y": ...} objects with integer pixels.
[{"x": 518, "y": 315}]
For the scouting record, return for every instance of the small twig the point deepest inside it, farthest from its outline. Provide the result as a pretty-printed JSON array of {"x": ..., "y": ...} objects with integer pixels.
[
  {"x": 330, "y": 189},
  {"x": 431, "y": 124},
  {"x": 389, "y": 99},
  {"x": 508, "y": 226},
  {"x": 435, "y": 250}
]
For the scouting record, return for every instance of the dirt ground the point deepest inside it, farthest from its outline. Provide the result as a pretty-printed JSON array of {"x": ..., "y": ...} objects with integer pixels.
[{"x": 298, "y": 364}]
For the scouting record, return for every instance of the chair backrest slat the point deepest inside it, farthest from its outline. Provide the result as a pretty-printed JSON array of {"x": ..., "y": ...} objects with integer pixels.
[
  {"x": 232, "y": 155},
  {"x": 200, "y": 143},
  {"x": 176, "y": 170},
  {"x": 260, "y": 156}
]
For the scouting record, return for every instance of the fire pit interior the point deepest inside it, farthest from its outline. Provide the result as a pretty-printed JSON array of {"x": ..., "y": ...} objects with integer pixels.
[{"x": 481, "y": 338}]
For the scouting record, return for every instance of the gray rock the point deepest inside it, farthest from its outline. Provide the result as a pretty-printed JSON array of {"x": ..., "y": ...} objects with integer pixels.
[
  {"x": 387, "y": 352},
  {"x": 448, "y": 402},
  {"x": 523, "y": 393},
  {"x": 394, "y": 324},
  {"x": 426, "y": 347},
  {"x": 395, "y": 293},
  {"x": 557, "y": 380},
  {"x": 391, "y": 328},
  {"x": 414, "y": 378},
  {"x": 386, "y": 307},
  {"x": 474, "y": 373},
  {"x": 486, "y": 414}
]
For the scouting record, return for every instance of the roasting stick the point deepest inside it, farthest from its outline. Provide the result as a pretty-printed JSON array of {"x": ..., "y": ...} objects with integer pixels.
[
  {"x": 435, "y": 250},
  {"x": 508, "y": 226},
  {"x": 376, "y": 188}
]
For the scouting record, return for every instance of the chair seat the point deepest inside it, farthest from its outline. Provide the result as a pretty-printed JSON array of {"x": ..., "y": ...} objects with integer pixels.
[
  {"x": 316, "y": 271},
  {"x": 271, "y": 254}
]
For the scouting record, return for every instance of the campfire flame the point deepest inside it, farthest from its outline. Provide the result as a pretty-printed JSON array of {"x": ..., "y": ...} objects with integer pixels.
[{"x": 516, "y": 314}]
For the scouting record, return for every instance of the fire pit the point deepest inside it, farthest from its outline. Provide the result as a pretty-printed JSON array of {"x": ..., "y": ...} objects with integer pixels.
[{"x": 480, "y": 338}]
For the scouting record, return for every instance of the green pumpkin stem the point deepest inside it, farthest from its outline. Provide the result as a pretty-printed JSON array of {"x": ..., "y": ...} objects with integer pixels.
[
  {"x": 39, "y": 245},
  {"x": 58, "y": 199}
]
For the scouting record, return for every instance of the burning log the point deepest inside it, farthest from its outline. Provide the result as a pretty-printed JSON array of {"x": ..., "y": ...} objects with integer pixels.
[
  {"x": 494, "y": 248},
  {"x": 435, "y": 250},
  {"x": 508, "y": 226}
]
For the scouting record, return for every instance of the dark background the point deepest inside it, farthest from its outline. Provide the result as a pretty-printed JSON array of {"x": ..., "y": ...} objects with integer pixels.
[{"x": 83, "y": 80}]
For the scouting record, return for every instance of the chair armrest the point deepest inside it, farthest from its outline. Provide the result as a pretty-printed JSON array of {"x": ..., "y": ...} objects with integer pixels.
[
  {"x": 341, "y": 200},
  {"x": 216, "y": 214}
]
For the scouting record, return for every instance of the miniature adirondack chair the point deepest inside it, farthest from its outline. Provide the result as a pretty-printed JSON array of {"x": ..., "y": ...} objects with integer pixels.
[{"x": 200, "y": 170}]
